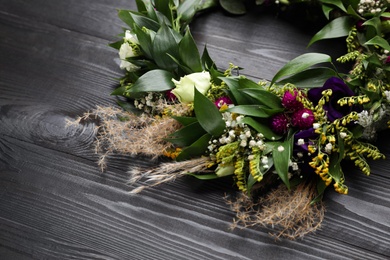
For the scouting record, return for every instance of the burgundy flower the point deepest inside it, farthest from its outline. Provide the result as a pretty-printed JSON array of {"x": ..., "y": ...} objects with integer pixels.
[
  {"x": 290, "y": 102},
  {"x": 387, "y": 61},
  {"x": 279, "y": 123},
  {"x": 360, "y": 26},
  {"x": 303, "y": 119},
  {"x": 223, "y": 101},
  {"x": 170, "y": 96},
  {"x": 339, "y": 90}
]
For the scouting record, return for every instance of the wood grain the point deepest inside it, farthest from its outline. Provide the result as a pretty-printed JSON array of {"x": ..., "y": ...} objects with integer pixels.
[{"x": 56, "y": 204}]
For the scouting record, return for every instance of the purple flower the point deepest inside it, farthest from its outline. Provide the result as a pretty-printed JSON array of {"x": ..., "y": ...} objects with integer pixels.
[
  {"x": 303, "y": 119},
  {"x": 290, "y": 102},
  {"x": 279, "y": 123},
  {"x": 223, "y": 101},
  {"x": 307, "y": 135},
  {"x": 339, "y": 90}
]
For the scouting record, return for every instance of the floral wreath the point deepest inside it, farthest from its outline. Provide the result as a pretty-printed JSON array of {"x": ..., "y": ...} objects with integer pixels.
[{"x": 282, "y": 142}]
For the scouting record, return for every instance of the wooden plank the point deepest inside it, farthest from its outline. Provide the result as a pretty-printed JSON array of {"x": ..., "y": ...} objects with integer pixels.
[{"x": 55, "y": 203}]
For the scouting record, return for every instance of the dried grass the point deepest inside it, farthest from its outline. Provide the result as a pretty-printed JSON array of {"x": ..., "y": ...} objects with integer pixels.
[
  {"x": 125, "y": 133},
  {"x": 289, "y": 213},
  {"x": 166, "y": 172}
]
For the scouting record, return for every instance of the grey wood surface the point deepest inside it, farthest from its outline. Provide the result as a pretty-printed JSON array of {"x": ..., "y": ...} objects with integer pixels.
[{"x": 56, "y": 204}]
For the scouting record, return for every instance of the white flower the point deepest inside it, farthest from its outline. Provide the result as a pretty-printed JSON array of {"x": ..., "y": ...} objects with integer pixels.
[
  {"x": 280, "y": 148},
  {"x": 365, "y": 119},
  {"x": 387, "y": 94},
  {"x": 264, "y": 160},
  {"x": 343, "y": 135},
  {"x": 243, "y": 143},
  {"x": 328, "y": 148},
  {"x": 316, "y": 125},
  {"x": 184, "y": 90},
  {"x": 126, "y": 51},
  {"x": 130, "y": 37},
  {"x": 294, "y": 166},
  {"x": 305, "y": 115},
  {"x": 301, "y": 141}
]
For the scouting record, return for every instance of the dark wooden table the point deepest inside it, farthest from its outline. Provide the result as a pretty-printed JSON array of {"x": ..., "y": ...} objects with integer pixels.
[{"x": 56, "y": 204}]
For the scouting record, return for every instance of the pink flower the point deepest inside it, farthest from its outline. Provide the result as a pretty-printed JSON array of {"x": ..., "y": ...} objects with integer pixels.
[
  {"x": 223, "y": 101},
  {"x": 279, "y": 123},
  {"x": 290, "y": 102},
  {"x": 303, "y": 119}
]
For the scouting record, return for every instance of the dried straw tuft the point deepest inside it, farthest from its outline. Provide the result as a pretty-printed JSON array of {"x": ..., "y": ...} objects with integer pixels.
[
  {"x": 167, "y": 172},
  {"x": 289, "y": 213}
]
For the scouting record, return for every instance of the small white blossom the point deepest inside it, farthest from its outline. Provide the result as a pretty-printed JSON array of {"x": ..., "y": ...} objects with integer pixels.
[
  {"x": 316, "y": 125},
  {"x": 387, "y": 94},
  {"x": 248, "y": 133},
  {"x": 251, "y": 157},
  {"x": 343, "y": 135},
  {"x": 365, "y": 119},
  {"x": 328, "y": 148},
  {"x": 243, "y": 143},
  {"x": 264, "y": 160},
  {"x": 252, "y": 143},
  {"x": 294, "y": 166},
  {"x": 280, "y": 148},
  {"x": 300, "y": 155},
  {"x": 305, "y": 115},
  {"x": 301, "y": 141}
]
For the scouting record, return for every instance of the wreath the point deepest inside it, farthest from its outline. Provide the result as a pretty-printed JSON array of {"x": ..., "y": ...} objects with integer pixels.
[{"x": 283, "y": 142}]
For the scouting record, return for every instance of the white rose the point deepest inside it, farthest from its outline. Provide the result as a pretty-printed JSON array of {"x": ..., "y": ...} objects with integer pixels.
[
  {"x": 130, "y": 37},
  {"x": 126, "y": 51},
  {"x": 184, "y": 90}
]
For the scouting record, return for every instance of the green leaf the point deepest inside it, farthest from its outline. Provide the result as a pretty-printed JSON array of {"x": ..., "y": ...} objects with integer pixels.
[
  {"x": 164, "y": 43},
  {"x": 207, "y": 62},
  {"x": 116, "y": 45},
  {"x": 261, "y": 128},
  {"x": 254, "y": 110},
  {"x": 375, "y": 22},
  {"x": 153, "y": 81},
  {"x": 321, "y": 187},
  {"x": 310, "y": 78},
  {"x": 264, "y": 97},
  {"x": 301, "y": 63},
  {"x": 189, "y": 53},
  {"x": 339, "y": 27},
  {"x": 186, "y": 135},
  {"x": 205, "y": 176},
  {"x": 237, "y": 96},
  {"x": 185, "y": 120},
  {"x": 339, "y": 4},
  {"x": 131, "y": 18},
  {"x": 326, "y": 9},
  {"x": 145, "y": 41},
  {"x": 120, "y": 91},
  {"x": 208, "y": 114},
  {"x": 196, "y": 149},
  {"x": 236, "y": 7},
  {"x": 140, "y": 6},
  {"x": 377, "y": 40},
  {"x": 351, "y": 11},
  {"x": 164, "y": 8},
  {"x": 128, "y": 107},
  {"x": 281, "y": 155},
  {"x": 187, "y": 9}
]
